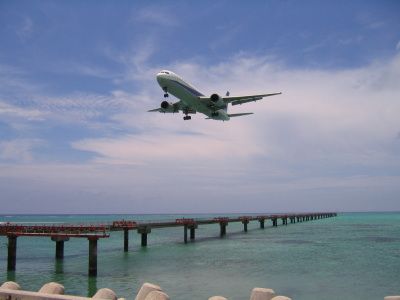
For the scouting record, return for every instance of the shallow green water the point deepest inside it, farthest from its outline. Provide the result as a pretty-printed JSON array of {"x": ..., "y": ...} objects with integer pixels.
[{"x": 352, "y": 256}]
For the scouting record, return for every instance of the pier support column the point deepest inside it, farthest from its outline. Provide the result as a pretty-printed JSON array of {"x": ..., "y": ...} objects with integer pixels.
[
  {"x": 185, "y": 230},
  {"x": 245, "y": 222},
  {"x": 193, "y": 231},
  {"x": 262, "y": 223},
  {"x": 274, "y": 222},
  {"x": 222, "y": 226},
  {"x": 59, "y": 245},
  {"x": 144, "y": 230},
  {"x": 92, "y": 256},
  {"x": 284, "y": 221},
  {"x": 126, "y": 239},
  {"x": 12, "y": 253}
]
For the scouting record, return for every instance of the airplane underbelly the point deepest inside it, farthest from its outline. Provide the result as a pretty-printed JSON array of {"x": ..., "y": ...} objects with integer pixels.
[{"x": 188, "y": 99}]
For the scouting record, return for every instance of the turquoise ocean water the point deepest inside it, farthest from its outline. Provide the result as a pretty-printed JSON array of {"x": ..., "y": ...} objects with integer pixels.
[{"x": 352, "y": 256}]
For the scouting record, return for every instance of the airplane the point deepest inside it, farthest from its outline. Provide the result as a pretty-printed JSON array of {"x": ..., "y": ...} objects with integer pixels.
[{"x": 192, "y": 101}]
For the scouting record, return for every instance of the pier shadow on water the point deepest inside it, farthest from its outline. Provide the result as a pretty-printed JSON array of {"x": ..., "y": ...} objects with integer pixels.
[
  {"x": 11, "y": 276},
  {"x": 92, "y": 286},
  {"x": 59, "y": 266}
]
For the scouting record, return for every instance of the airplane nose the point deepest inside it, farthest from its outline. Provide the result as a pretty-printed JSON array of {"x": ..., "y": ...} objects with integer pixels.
[
  {"x": 160, "y": 78},
  {"x": 160, "y": 75}
]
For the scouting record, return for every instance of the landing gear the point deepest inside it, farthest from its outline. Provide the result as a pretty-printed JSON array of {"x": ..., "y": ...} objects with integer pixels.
[
  {"x": 166, "y": 92},
  {"x": 187, "y": 118}
]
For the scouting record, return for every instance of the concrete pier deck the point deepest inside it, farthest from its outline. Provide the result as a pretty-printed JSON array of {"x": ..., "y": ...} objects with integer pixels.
[{"x": 60, "y": 233}]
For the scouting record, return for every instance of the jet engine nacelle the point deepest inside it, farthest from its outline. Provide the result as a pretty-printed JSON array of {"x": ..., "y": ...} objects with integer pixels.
[
  {"x": 220, "y": 114},
  {"x": 217, "y": 100},
  {"x": 168, "y": 107}
]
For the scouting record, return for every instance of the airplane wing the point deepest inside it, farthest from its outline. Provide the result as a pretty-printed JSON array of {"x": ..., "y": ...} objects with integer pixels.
[{"x": 244, "y": 99}]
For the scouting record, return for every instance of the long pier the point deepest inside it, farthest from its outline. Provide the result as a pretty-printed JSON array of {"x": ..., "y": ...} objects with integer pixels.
[{"x": 60, "y": 233}]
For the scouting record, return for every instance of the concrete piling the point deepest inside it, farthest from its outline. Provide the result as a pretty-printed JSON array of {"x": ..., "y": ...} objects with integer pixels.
[
  {"x": 262, "y": 223},
  {"x": 193, "y": 232},
  {"x": 144, "y": 240},
  {"x": 144, "y": 231},
  {"x": 245, "y": 222},
  {"x": 126, "y": 239},
  {"x": 93, "y": 256},
  {"x": 12, "y": 252},
  {"x": 59, "y": 246},
  {"x": 59, "y": 249},
  {"x": 185, "y": 233},
  {"x": 222, "y": 226}
]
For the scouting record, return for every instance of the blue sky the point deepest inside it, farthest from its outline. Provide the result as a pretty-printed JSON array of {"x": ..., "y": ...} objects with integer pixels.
[{"x": 77, "y": 77}]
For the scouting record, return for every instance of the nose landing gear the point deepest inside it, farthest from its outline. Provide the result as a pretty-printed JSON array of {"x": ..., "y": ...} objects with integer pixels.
[
  {"x": 166, "y": 92},
  {"x": 187, "y": 118}
]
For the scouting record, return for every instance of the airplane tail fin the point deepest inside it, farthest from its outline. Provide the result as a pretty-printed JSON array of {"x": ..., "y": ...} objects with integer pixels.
[{"x": 238, "y": 115}]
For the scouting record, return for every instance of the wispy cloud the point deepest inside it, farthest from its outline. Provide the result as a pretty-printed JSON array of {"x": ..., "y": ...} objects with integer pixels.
[
  {"x": 12, "y": 111},
  {"x": 156, "y": 15},
  {"x": 18, "y": 150},
  {"x": 318, "y": 117},
  {"x": 25, "y": 30},
  {"x": 330, "y": 130}
]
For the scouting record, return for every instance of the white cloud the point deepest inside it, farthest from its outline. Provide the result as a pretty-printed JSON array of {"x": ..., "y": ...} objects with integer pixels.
[
  {"x": 343, "y": 116},
  {"x": 331, "y": 135}
]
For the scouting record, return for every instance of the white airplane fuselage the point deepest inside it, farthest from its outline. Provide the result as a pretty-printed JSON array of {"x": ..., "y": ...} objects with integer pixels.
[{"x": 189, "y": 95}]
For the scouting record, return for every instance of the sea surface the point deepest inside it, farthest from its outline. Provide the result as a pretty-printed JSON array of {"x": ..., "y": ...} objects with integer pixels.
[{"x": 351, "y": 256}]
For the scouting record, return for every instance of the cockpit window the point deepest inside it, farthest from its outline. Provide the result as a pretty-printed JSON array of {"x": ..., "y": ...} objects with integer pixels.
[{"x": 164, "y": 72}]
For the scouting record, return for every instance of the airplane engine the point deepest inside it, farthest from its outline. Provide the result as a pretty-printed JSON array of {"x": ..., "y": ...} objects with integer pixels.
[
  {"x": 168, "y": 107},
  {"x": 217, "y": 100},
  {"x": 165, "y": 105}
]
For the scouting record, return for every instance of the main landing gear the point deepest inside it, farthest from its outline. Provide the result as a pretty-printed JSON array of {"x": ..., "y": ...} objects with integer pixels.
[{"x": 187, "y": 118}]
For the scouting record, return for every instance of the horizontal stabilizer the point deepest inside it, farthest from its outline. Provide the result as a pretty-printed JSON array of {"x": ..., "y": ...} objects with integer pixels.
[
  {"x": 152, "y": 110},
  {"x": 238, "y": 115}
]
